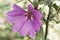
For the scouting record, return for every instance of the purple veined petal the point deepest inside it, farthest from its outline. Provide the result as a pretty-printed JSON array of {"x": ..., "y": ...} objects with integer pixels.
[
  {"x": 18, "y": 8},
  {"x": 18, "y": 22},
  {"x": 36, "y": 23},
  {"x": 15, "y": 13},
  {"x": 30, "y": 8},
  {"x": 32, "y": 33},
  {"x": 26, "y": 28},
  {"x": 11, "y": 19},
  {"x": 37, "y": 14}
]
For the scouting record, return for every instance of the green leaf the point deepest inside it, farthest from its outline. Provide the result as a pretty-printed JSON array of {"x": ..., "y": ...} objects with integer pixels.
[
  {"x": 55, "y": 6},
  {"x": 40, "y": 35}
]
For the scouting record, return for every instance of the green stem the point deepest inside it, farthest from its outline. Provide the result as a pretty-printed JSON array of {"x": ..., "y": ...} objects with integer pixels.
[
  {"x": 47, "y": 22},
  {"x": 36, "y": 3}
]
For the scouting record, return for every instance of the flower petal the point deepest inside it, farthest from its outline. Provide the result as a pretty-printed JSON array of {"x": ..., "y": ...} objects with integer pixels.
[
  {"x": 32, "y": 33},
  {"x": 18, "y": 22},
  {"x": 14, "y": 13},
  {"x": 37, "y": 14},
  {"x": 11, "y": 19},
  {"x": 26, "y": 28},
  {"x": 18, "y": 8},
  {"x": 17, "y": 11},
  {"x": 36, "y": 24},
  {"x": 30, "y": 8}
]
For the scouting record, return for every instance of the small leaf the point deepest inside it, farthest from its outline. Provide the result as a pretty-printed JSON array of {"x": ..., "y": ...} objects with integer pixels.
[
  {"x": 55, "y": 6},
  {"x": 40, "y": 35}
]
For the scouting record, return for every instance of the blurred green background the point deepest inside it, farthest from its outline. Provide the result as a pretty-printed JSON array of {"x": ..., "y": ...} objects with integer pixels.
[{"x": 6, "y": 28}]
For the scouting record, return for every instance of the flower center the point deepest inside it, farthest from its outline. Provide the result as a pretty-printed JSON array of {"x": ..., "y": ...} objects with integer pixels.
[{"x": 29, "y": 16}]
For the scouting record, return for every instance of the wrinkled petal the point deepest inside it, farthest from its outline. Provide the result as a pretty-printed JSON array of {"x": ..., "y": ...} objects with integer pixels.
[
  {"x": 32, "y": 33},
  {"x": 16, "y": 11},
  {"x": 26, "y": 28},
  {"x": 12, "y": 19},
  {"x": 36, "y": 24},
  {"x": 18, "y": 8},
  {"x": 37, "y": 14},
  {"x": 18, "y": 22},
  {"x": 30, "y": 8}
]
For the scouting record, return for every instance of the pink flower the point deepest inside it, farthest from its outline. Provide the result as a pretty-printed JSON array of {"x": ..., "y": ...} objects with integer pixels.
[{"x": 26, "y": 23}]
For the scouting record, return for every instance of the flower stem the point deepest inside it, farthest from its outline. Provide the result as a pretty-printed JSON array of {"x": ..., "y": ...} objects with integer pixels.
[
  {"x": 30, "y": 1},
  {"x": 47, "y": 22}
]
